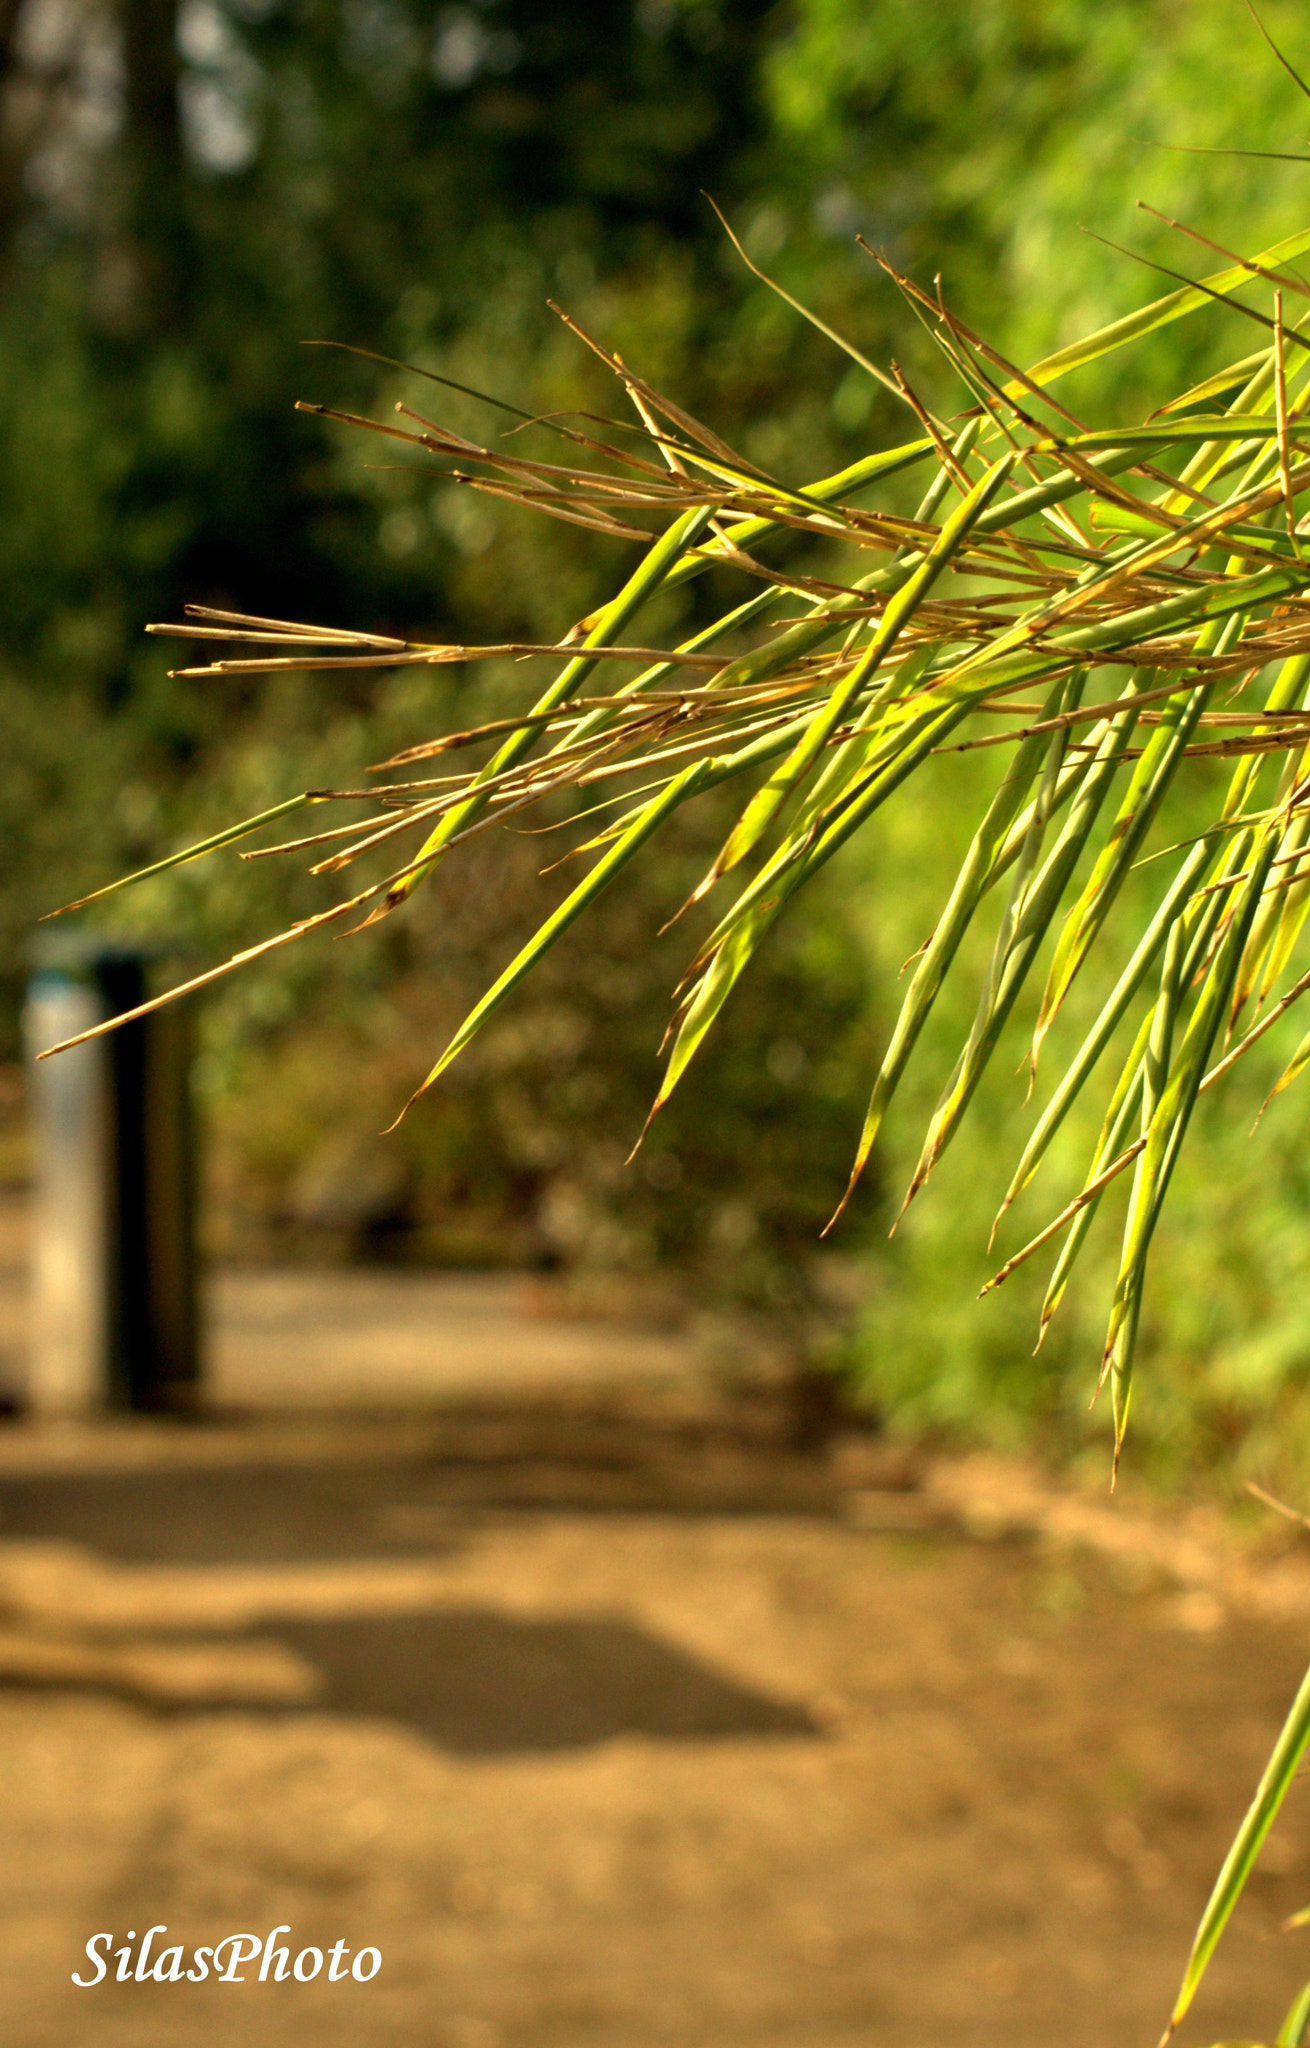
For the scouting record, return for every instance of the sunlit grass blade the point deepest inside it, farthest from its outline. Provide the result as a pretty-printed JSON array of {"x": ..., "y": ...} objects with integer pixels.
[
  {"x": 1147, "y": 788},
  {"x": 1146, "y": 791},
  {"x": 854, "y": 754},
  {"x": 1165, "y": 555},
  {"x": 830, "y": 490},
  {"x": 650, "y": 679},
  {"x": 1112, "y": 1153},
  {"x": 1017, "y": 948},
  {"x": 1260, "y": 1816},
  {"x": 897, "y": 612},
  {"x": 1112, "y": 1013},
  {"x": 679, "y": 790},
  {"x": 226, "y": 837},
  {"x": 1295, "y": 906},
  {"x": 1295, "y": 1067},
  {"x": 1174, "y": 306},
  {"x": 733, "y": 944},
  {"x": 647, "y": 578},
  {"x": 299, "y": 930},
  {"x": 1278, "y": 919},
  {"x": 976, "y": 876},
  {"x": 1168, "y": 1125},
  {"x": 1113, "y": 1148},
  {"x": 1296, "y": 2025},
  {"x": 1104, "y": 341}
]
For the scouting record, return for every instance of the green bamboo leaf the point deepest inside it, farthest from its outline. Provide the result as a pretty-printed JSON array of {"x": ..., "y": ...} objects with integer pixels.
[
  {"x": 1111, "y": 1153},
  {"x": 1296, "y": 906},
  {"x": 1171, "y": 908},
  {"x": 679, "y": 790},
  {"x": 662, "y": 672},
  {"x": 172, "y": 860},
  {"x": 853, "y": 758},
  {"x": 726, "y": 767},
  {"x": 976, "y": 877},
  {"x": 1174, "y": 306},
  {"x": 732, "y": 944},
  {"x": 1146, "y": 791},
  {"x": 1295, "y": 1067},
  {"x": 1252, "y": 372},
  {"x": 1124, "y": 1107},
  {"x": 1166, "y": 433},
  {"x": 1065, "y": 484},
  {"x": 1111, "y": 1146},
  {"x": 854, "y": 807},
  {"x": 898, "y": 611},
  {"x": 1161, "y": 313},
  {"x": 1214, "y": 459},
  {"x": 887, "y": 759},
  {"x": 1273, "y": 934},
  {"x": 1018, "y": 944},
  {"x": 1260, "y": 1816},
  {"x": 1108, "y": 517},
  {"x": 1295, "y": 902},
  {"x": 710, "y": 994},
  {"x": 855, "y": 753},
  {"x": 1293, "y": 2031},
  {"x": 1285, "y": 693},
  {"x": 1000, "y": 668},
  {"x": 997, "y": 518},
  {"x": 652, "y": 571},
  {"x": 1219, "y": 382},
  {"x": 829, "y": 490},
  {"x": 1167, "y": 1128}
]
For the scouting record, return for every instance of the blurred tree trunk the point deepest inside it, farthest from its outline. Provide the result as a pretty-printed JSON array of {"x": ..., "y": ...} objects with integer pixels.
[
  {"x": 10, "y": 10},
  {"x": 25, "y": 101},
  {"x": 154, "y": 253},
  {"x": 144, "y": 271}
]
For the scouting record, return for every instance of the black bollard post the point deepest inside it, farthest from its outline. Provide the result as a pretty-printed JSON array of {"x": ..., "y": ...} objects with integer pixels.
[{"x": 116, "y": 1296}]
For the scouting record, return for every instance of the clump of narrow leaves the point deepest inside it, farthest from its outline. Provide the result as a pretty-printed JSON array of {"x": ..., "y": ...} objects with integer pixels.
[{"x": 1096, "y": 604}]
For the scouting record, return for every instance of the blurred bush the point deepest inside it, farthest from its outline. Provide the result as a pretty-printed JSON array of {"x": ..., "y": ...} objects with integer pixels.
[{"x": 189, "y": 189}]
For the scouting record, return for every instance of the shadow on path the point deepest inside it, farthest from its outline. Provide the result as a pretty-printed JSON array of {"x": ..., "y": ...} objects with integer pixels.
[{"x": 481, "y": 1683}]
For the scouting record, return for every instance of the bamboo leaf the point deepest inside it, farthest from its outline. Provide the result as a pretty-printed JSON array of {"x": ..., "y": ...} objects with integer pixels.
[
  {"x": 1146, "y": 789},
  {"x": 1111, "y": 1149},
  {"x": 976, "y": 876},
  {"x": 1293, "y": 2031},
  {"x": 1168, "y": 1123},
  {"x": 684, "y": 786},
  {"x": 898, "y": 611},
  {"x": 829, "y": 490},
  {"x": 731, "y": 947},
  {"x": 1247, "y": 1844},
  {"x": 1295, "y": 1067},
  {"x": 227, "y": 837},
  {"x": 1278, "y": 919},
  {"x": 1172, "y": 907},
  {"x": 1111, "y": 1154},
  {"x": 647, "y": 578},
  {"x": 1017, "y": 946},
  {"x": 1174, "y": 306}
]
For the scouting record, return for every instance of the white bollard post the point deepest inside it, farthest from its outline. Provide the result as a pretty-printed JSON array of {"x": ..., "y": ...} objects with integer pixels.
[
  {"x": 115, "y": 1313},
  {"x": 68, "y": 1370}
]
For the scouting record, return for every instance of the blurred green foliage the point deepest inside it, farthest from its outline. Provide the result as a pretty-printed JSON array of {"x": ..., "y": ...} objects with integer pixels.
[{"x": 191, "y": 188}]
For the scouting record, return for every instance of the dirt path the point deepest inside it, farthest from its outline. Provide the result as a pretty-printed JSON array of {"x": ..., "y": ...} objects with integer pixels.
[{"x": 599, "y": 1755}]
